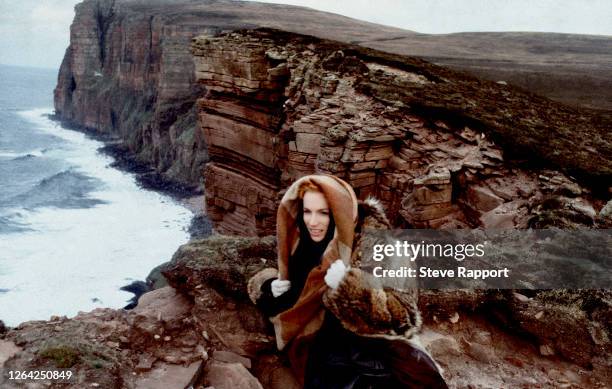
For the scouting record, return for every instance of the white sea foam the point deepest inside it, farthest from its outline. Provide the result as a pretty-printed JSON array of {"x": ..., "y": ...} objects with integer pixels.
[
  {"x": 12, "y": 154},
  {"x": 76, "y": 259}
]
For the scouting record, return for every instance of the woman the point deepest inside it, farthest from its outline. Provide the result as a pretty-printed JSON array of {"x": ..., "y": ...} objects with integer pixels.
[{"x": 340, "y": 331}]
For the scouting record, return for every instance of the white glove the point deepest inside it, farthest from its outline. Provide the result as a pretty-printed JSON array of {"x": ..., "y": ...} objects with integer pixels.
[
  {"x": 335, "y": 273},
  {"x": 280, "y": 286}
]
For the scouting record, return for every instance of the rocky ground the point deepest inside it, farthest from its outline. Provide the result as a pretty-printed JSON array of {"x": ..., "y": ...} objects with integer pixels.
[{"x": 203, "y": 331}]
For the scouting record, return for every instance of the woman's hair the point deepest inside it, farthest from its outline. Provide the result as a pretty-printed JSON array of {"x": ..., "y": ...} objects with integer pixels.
[{"x": 308, "y": 187}]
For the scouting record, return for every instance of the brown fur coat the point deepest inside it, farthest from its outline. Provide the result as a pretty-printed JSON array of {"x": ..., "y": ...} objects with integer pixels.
[{"x": 360, "y": 302}]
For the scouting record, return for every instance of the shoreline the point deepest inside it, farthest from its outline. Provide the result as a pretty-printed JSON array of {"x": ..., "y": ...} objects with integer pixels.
[
  {"x": 147, "y": 178},
  {"x": 191, "y": 198}
]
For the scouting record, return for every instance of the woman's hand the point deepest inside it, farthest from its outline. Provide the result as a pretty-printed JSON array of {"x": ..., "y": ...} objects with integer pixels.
[
  {"x": 335, "y": 273},
  {"x": 280, "y": 286}
]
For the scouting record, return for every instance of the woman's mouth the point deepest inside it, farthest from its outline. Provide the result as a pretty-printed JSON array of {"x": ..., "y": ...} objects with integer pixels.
[{"x": 316, "y": 232}]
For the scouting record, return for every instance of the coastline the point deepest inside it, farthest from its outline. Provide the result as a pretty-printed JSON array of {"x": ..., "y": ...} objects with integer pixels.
[
  {"x": 191, "y": 198},
  {"x": 126, "y": 161},
  {"x": 146, "y": 178}
]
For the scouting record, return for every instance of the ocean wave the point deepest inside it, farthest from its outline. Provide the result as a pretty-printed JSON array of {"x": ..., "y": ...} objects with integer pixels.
[
  {"x": 66, "y": 189},
  {"x": 91, "y": 251},
  {"x": 8, "y": 226},
  {"x": 23, "y": 155}
]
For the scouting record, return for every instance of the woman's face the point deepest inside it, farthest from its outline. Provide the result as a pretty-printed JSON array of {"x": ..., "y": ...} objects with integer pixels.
[{"x": 316, "y": 215}]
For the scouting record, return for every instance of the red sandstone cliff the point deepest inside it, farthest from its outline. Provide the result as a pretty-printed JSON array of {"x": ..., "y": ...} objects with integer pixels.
[
  {"x": 441, "y": 149},
  {"x": 128, "y": 71}
]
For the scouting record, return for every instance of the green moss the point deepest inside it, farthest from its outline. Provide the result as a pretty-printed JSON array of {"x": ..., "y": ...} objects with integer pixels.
[
  {"x": 187, "y": 137},
  {"x": 223, "y": 263},
  {"x": 66, "y": 352},
  {"x": 587, "y": 300},
  {"x": 559, "y": 219},
  {"x": 63, "y": 356},
  {"x": 156, "y": 279}
]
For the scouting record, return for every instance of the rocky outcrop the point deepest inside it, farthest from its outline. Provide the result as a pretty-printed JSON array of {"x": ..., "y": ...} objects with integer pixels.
[
  {"x": 208, "y": 334},
  {"x": 114, "y": 348},
  {"x": 203, "y": 330},
  {"x": 441, "y": 149}
]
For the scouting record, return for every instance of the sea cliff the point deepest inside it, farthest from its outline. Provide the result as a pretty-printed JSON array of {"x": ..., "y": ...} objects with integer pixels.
[{"x": 128, "y": 72}]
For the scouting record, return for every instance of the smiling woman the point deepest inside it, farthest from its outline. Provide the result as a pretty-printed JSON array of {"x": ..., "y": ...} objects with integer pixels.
[{"x": 338, "y": 329}]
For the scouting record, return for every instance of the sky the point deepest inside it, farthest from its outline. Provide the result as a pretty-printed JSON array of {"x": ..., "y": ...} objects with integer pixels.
[{"x": 36, "y": 32}]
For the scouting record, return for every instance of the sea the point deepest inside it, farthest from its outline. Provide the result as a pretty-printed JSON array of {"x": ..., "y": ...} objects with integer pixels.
[{"x": 73, "y": 229}]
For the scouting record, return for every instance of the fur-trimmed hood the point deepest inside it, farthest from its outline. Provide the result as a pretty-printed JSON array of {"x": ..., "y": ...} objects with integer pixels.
[{"x": 360, "y": 302}]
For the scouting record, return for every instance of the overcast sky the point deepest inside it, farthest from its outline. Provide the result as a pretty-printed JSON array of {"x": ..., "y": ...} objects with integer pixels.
[{"x": 36, "y": 32}]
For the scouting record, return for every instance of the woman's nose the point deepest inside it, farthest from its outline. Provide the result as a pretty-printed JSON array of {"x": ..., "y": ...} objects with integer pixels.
[{"x": 313, "y": 220}]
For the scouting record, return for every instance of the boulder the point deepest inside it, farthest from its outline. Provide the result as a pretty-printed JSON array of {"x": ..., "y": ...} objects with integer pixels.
[
  {"x": 163, "y": 304},
  {"x": 165, "y": 376},
  {"x": 606, "y": 211},
  {"x": 223, "y": 375},
  {"x": 230, "y": 357},
  {"x": 483, "y": 199},
  {"x": 7, "y": 350}
]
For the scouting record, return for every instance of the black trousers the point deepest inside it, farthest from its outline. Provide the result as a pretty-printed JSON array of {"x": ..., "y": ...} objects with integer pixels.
[{"x": 339, "y": 359}]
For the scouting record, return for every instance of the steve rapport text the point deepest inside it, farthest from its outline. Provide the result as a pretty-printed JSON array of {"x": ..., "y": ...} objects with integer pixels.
[{"x": 427, "y": 272}]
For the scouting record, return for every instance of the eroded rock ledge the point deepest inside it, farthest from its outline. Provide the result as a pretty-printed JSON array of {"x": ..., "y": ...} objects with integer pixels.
[
  {"x": 441, "y": 149},
  {"x": 204, "y": 331}
]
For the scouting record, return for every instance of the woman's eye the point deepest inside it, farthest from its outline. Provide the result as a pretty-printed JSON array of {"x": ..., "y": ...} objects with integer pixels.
[
  {"x": 306, "y": 211},
  {"x": 325, "y": 212}
]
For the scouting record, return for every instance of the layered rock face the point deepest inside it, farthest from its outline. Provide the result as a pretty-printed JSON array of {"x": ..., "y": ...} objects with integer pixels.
[
  {"x": 123, "y": 75},
  {"x": 128, "y": 71},
  {"x": 440, "y": 148}
]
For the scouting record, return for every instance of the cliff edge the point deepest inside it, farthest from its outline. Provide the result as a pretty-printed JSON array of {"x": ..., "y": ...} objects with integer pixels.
[
  {"x": 440, "y": 148},
  {"x": 128, "y": 72}
]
